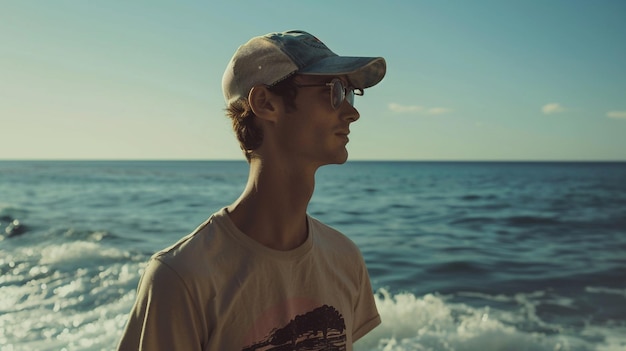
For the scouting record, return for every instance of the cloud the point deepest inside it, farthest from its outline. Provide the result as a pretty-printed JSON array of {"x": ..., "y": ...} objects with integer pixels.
[
  {"x": 616, "y": 114},
  {"x": 416, "y": 109},
  {"x": 405, "y": 109},
  {"x": 552, "y": 108},
  {"x": 438, "y": 111}
]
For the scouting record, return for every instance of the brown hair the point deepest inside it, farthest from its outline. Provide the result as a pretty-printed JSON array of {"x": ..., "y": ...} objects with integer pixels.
[{"x": 248, "y": 132}]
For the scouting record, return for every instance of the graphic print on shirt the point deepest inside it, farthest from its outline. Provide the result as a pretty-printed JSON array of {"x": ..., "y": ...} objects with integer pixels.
[{"x": 320, "y": 329}]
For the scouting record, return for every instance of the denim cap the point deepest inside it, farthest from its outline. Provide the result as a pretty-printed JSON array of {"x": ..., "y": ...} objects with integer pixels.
[{"x": 273, "y": 57}]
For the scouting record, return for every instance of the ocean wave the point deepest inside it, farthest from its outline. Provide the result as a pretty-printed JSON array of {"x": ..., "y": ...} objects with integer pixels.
[
  {"x": 73, "y": 317},
  {"x": 511, "y": 221},
  {"x": 71, "y": 295},
  {"x": 77, "y": 253},
  {"x": 73, "y": 235},
  {"x": 431, "y": 322},
  {"x": 10, "y": 223},
  {"x": 605, "y": 290},
  {"x": 458, "y": 267}
]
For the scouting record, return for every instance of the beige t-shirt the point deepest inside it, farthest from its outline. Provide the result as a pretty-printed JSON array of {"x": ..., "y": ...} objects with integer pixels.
[{"x": 218, "y": 289}]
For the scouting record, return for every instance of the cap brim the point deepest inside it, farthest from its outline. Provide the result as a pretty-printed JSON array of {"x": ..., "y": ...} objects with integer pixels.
[{"x": 363, "y": 72}]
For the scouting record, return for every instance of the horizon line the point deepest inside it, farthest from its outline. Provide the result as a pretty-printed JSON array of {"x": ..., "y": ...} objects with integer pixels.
[{"x": 356, "y": 160}]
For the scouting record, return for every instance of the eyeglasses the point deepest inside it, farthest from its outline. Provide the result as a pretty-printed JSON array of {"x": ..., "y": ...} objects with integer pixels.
[{"x": 338, "y": 92}]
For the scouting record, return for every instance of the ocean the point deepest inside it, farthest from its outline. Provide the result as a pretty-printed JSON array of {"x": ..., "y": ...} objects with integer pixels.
[{"x": 462, "y": 255}]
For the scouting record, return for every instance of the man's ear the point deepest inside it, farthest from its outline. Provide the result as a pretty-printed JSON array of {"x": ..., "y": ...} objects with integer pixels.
[{"x": 264, "y": 103}]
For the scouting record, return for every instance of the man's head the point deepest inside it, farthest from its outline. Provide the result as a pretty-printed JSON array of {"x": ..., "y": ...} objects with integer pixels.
[{"x": 272, "y": 61}]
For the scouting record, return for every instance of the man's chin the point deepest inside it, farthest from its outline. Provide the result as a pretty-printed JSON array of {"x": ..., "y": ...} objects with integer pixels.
[
  {"x": 337, "y": 159},
  {"x": 342, "y": 159}
]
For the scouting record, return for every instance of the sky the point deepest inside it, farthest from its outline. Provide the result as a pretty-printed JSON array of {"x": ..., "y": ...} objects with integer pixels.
[{"x": 519, "y": 80}]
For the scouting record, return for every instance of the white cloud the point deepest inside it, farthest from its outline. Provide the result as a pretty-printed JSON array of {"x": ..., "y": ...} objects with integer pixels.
[
  {"x": 616, "y": 114},
  {"x": 417, "y": 109},
  {"x": 438, "y": 111},
  {"x": 552, "y": 108},
  {"x": 405, "y": 108}
]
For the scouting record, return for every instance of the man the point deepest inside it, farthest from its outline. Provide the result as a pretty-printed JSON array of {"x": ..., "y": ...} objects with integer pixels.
[{"x": 261, "y": 274}]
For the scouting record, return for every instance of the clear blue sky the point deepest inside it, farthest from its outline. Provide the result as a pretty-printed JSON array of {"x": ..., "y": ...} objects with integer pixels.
[{"x": 466, "y": 80}]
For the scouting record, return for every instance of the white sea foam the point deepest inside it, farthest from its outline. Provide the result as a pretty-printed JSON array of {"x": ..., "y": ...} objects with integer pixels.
[
  {"x": 70, "y": 296},
  {"x": 412, "y": 323},
  {"x": 76, "y": 296},
  {"x": 604, "y": 290},
  {"x": 71, "y": 253},
  {"x": 69, "y": 318}
]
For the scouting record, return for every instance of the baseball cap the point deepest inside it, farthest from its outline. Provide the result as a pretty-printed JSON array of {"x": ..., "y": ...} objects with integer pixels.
[{"x": 273, "y": 57}]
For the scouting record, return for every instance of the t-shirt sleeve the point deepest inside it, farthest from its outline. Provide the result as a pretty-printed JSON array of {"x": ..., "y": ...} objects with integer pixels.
[
  {"x": 366, "y": 315},
  {"x": 165, "y": 316}
]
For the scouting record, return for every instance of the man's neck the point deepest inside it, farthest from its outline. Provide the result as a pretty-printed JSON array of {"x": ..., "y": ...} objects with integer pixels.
[{"x": 272, "y": 208}]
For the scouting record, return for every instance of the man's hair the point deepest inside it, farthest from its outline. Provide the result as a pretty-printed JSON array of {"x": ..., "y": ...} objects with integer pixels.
[{"x": 248, "y": 132}]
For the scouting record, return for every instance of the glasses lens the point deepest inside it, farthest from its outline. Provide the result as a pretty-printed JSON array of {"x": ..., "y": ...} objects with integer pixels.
[
  {"x": 337, "y": 93},
  {"x": 350, "y": 96}
]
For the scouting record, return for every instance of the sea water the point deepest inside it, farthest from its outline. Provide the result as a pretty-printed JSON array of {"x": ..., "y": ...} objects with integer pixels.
[{"x": 462, "y": 256}]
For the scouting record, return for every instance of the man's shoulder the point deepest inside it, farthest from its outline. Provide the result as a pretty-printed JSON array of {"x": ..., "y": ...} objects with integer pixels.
[
  {"x": 330, "y": 237},
  {"x": 195, "y": 250}
]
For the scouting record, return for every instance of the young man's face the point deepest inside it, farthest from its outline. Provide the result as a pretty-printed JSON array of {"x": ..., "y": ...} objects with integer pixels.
[{"x": 314, "y": 132}]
